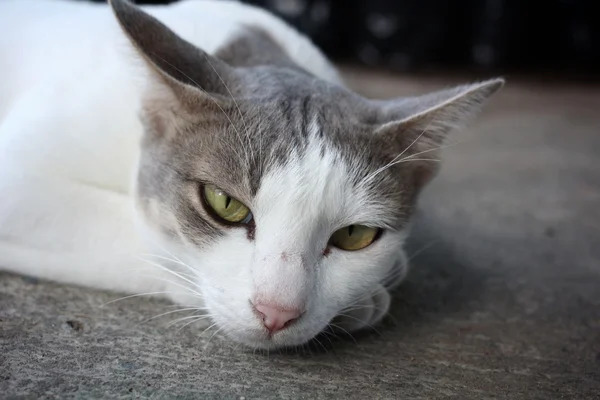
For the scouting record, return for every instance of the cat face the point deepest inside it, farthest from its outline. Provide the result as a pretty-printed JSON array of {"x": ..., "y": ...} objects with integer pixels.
[
  {"x": 282, "y": 203},
  {"x": 287, "y": 197}
]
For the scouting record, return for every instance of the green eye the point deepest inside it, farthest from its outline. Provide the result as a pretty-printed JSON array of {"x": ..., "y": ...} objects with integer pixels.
[
  {"x": 225, "y": 206},
  {"x": 354, "y": 237}
]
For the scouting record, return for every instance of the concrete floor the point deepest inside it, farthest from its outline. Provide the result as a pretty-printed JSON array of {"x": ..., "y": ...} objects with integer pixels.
[{"x": 503, "y": 300}]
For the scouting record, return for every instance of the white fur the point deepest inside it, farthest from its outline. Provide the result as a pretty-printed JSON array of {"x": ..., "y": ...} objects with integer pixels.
[{"x": 69, "y": 133}]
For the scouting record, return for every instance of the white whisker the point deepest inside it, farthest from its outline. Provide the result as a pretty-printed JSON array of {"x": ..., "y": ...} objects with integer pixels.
[
  {"x": 179, "y": 262},
  {"x": 379, "y": 170},
  {"x": 327, "y": 336},
  {"x": 136, "y": 295},
  {"x": 207, "y": 329},
  {"x": 191, "y": 322},
  {"x": 194, "y": 318},
  {"x": 171, "y": 312},
  {"x": 320, "y": 344},
  {"x": 361, "y": 307},
  {"x": 434, "y": 149},
  {"x": 362, "y": 322},
  {"x": 170, "y": 271},
  {"x": 416, "y": 159},
  {"x": 423, "y": 248},
  {"x": 343, "y": 330},
  {"x": 213, "y": 335},
  {"x": 194, "y": 292}
]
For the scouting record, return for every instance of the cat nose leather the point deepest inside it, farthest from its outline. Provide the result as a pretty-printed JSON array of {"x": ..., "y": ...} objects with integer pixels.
[{"x": 275, "y": 319}]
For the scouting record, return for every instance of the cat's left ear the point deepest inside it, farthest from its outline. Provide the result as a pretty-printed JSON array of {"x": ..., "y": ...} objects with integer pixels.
[
  {"x": 193, "y": 75},
  {"x": 417, "y": 127}
]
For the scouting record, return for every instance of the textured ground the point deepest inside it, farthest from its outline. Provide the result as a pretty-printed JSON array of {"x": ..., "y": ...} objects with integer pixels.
[{"x": 503, "y": 301}]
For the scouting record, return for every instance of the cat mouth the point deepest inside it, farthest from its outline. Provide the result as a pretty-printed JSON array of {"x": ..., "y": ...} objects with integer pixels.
[{"x": 260, "y": 338}]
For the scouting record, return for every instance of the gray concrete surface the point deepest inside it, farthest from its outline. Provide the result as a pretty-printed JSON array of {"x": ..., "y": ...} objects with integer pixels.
[{"x": 503, "y": 301}]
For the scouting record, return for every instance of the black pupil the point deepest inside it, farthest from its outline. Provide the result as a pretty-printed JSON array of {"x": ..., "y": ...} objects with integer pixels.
[
  {"x": 227, "y": 201},
  {"x": 350, "y": 230}
]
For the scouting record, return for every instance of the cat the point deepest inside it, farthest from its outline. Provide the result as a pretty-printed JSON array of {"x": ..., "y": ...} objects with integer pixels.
[{"x": 208, "y": 152}]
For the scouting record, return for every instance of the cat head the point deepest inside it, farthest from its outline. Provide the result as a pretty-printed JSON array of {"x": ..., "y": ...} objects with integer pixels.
[{"x": 287, "y": 197}]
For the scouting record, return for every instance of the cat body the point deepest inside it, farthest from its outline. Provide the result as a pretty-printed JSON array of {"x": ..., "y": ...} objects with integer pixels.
[
  {"x": 117, "y": 131},
  {"x": 69, "y": 116}
]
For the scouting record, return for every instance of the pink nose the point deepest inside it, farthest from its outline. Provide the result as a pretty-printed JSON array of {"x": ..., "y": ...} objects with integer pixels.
[{"x": 275, "y": 319}]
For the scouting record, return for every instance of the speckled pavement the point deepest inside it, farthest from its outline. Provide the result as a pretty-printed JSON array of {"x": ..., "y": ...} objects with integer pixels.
[{"x": 503, "y": 301}]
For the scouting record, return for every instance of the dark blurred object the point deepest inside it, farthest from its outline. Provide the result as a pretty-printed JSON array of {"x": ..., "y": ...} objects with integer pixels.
[
  {"x": 549, "y": 35},
  {"x": 526, "y": 35}
]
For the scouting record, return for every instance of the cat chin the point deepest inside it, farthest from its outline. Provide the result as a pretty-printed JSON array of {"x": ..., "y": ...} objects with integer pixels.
[
  {"x": 365, "y": 318},
  {"x": 261, "y": 340},
  {"x": 362, "y": 315},
  {"x": 255, "y": 337}
]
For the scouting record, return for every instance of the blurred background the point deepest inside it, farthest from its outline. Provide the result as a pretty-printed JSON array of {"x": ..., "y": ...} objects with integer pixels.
[
  {"x": 485, "y": 35},
  {"x": 503, "y": 295},
  {"x": 557, "y": 37}
]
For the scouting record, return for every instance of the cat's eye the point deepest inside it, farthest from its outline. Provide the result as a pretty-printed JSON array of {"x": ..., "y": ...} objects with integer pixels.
[
  {"x": 354, "y": 237},
  {"x": 225, "y": 206}
]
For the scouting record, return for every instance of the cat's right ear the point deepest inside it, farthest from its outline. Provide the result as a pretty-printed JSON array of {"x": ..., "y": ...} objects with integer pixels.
[
  {"x": 193, "y": 75},
  {"x": 417, "y": 127}
]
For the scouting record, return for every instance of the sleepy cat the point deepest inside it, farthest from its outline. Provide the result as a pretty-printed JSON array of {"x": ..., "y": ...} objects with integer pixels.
[{"x": 215, "y": 158}]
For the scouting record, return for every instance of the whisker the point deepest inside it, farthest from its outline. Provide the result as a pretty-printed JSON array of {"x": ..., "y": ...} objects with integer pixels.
[
  {"x": 423, "y": 248},
  {"x": 162, "y": 267},
  {"x": 362, "y": 322},
  {"x": 207, "y": 329},
  {"x": 396, "y": 273},
  {"x": 179, "y": 262},
  {"x": 236, "y": 347},
  {"x": 193, "y": 321},
  {"x": 166, "y": 250},
  {"x": 371, "y": 176},
  {"x": 361, "y": 307},
  {"x": 198, "y": 295},
  {"x": 391, "y": 280},
  {"x": 171, "y": 312},
  {"x": 176, "y": 259},
  {"x": 178, "y": 320},
  {"x": 435, "y": 149},
  {"x": 343, "y": 330},
  {"x": 367, "y": 295},
  {"x": 327, "y": 336},
  {"x": 192, "y": 317},
  {"x": 187, "y": 306},
  {"x": 387, "y": 314},
  {"x": 135, "y": 295},
  {"x": 321, "y": 344},
  {"x": 183, "y": 277},
  {"x": 416, "y": 159},
  {"x": 213, "y": 335}
]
